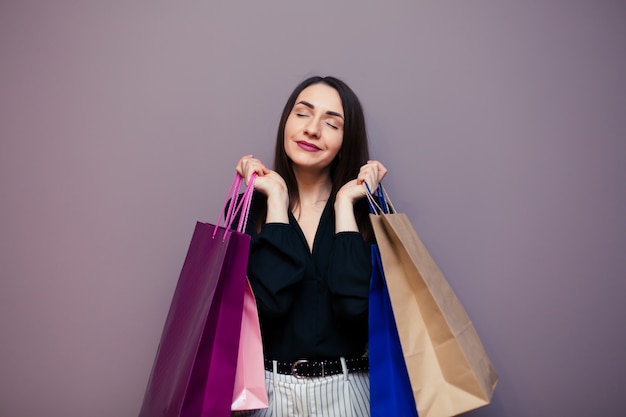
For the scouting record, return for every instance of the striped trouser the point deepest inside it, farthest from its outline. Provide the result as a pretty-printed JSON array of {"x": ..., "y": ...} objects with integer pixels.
[{"x": 342, "y": 395}]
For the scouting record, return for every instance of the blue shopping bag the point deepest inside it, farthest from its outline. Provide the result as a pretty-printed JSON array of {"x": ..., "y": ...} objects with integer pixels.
[{"x": 390, "y": 387}]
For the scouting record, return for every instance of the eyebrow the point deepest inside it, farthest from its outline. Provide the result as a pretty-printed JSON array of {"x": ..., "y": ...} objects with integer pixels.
[{"x": 309, "y": 105}]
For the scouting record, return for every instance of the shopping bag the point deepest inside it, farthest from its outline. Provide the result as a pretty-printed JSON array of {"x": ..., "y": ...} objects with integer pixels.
[
  {"x": 390, "y": 387},
  {"x": 448, "y": 366},
  {"x": 194, "y": 370},
  {"x": 250, "y": 392}
]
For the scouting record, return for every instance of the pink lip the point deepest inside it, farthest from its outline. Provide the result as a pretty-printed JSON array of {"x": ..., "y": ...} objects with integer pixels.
[{"x": 309, "y": 147}]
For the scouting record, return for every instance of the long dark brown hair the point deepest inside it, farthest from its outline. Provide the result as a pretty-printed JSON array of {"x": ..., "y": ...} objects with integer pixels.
[{"x": 353, "y": 154}]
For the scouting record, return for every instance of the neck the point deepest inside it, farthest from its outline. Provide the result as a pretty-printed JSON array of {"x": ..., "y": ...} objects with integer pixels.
[{"x": 314, "y": 188}]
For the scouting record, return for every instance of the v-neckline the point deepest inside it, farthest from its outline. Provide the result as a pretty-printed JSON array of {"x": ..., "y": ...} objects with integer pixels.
[{"x": 323, "y": 218}]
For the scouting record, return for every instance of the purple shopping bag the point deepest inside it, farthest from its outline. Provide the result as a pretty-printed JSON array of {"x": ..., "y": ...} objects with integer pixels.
[{"x": 194, "y": 370}]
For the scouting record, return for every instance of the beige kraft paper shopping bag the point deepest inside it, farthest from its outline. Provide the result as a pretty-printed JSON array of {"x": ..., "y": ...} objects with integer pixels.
[{"x": 448, "y": 366}]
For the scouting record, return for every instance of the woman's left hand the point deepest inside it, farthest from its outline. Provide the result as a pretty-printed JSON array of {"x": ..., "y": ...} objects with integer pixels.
[{"x": 372, "y": 173}]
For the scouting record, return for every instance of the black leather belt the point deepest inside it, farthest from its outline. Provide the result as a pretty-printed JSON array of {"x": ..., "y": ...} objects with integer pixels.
[{"x": 304, "y": 368}]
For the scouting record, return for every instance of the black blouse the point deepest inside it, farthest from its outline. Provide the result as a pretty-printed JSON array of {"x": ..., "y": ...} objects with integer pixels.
[{"x": 312, "y": 304}]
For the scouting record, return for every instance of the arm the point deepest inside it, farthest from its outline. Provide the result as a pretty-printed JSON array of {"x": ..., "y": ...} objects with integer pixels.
[
  {"x": 351, "y": 264},
  {"x": 275, "y": 265},
  {"x": 348, "y": 275}
]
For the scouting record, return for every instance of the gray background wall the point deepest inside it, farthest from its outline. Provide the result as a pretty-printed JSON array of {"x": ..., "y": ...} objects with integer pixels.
[{"x": 503, "y": 126}]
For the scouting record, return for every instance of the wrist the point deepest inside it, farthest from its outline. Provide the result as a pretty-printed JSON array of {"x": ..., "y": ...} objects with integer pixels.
[
  {"x": 344, "y": 216},
  {"x": 278, "y": 207},
  {"x": 347, "y": 198},
  {"x": 344, "y": 204}
]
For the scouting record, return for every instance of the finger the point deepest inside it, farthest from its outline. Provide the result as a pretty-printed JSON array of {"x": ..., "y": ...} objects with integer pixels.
[
  {"x": 252, "y": 169},
  {"x": 242, "y": 161},
  {"x": 380, "y": 169},
  {"x": 368, "y": 180},
  {"x": 248, "y": 165}
]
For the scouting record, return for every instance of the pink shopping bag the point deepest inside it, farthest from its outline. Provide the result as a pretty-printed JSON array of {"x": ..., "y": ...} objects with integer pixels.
[{"x": 250, "y": 392}]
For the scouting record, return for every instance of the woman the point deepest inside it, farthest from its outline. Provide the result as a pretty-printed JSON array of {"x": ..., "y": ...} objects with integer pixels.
[{"x": 310, "y": 261}]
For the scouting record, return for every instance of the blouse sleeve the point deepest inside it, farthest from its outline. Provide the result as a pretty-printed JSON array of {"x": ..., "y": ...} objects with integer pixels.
[
  {"x": 349, "y": 273},
  {"x": 275, "y": 266}
]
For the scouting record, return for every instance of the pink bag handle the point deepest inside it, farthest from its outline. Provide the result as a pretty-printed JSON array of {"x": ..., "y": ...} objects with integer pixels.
[
  {"x": 234, "y": 187},
  {"x": 247, "y": 202},
  {"x": 235, "y": 206}
]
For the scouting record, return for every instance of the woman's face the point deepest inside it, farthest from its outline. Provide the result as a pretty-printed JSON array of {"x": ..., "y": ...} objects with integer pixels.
[{"x": 314, "y": 128}]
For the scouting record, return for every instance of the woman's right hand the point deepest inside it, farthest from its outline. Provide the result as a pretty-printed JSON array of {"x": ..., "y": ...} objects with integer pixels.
[{"x": 267, "y": 182}]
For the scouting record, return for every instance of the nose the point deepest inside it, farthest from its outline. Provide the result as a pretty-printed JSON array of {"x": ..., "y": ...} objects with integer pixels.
[{"x": 312, "y": 128}]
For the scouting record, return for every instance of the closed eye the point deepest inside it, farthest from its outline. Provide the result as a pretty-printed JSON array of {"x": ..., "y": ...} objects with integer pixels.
[{"x": 332, "y": 125}]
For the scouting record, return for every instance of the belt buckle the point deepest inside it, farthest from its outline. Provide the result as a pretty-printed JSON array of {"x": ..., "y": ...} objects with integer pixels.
[{"x": 294, "y": 368}]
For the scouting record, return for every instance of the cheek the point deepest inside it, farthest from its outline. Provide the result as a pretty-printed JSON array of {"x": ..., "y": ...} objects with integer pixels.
[
  {"x": 337, "y": 140},
  {"x": 290, "y": 126},
  {"x": 287, "y": 142}
]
